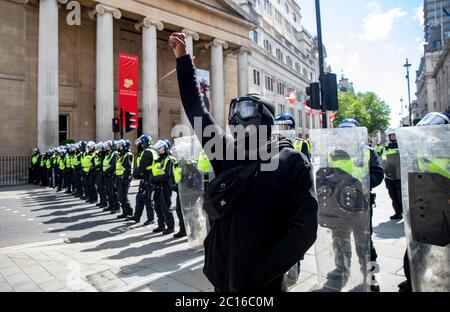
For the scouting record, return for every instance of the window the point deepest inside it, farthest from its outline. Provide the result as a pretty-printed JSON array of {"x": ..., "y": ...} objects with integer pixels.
[
  {"x": 280, "y": 108},
  {"x": 267, "y": 46},
  {"x": 294, "y": 17},
  {"x": 268, "y": 7},
  {"x": 288, "y": 27},
  {"x": 292, "y": 112},
  {"x": 279, "y": 54},
  {"x": 299, "y": 120},
  {"x": 256, "y": 77},
  {"x": 255, "y": 36},
  {"x": 298, "y": 96},
  {"x": 297, "y": 67},
  {"x": 311, "y": 76},
  {"x": 269, "y": 83},
  {"x": 280, "y": 88},
  {"x": 289, "y": 61},
  {"x": 305, "y": 72},
  {"x": 278, "y": 17},
  {"x": 286, "y": 8},
  {"x": 63, "y": 128}
]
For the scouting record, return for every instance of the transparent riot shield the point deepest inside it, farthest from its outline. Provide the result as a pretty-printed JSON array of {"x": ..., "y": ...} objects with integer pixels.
[
  {"x": 391, "y": 165},
  {"x": 190, "y": 189},
  {"x": 425, "y": 174},
  {"x": 341, "y": 166}
]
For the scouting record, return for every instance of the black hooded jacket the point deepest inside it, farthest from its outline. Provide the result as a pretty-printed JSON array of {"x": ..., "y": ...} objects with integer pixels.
[{"x": 275, "y": 222}]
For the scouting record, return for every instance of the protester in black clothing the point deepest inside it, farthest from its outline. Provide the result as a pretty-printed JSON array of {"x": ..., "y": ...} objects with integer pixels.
[{"x": 275, "y": 221}]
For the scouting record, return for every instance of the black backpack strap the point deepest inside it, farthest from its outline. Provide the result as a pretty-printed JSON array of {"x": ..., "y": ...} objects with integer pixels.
[{"x": 248, "y": 170}]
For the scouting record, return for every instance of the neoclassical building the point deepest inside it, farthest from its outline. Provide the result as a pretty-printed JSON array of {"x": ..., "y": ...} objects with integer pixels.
[{"x": 59, "y": 65}]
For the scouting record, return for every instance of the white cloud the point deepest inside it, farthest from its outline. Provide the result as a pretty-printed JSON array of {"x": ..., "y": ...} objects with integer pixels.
[
  {"x": 419, "y": 15},
  {"x": 378, "y": 25},
  {"x": 354, "y": 58}
]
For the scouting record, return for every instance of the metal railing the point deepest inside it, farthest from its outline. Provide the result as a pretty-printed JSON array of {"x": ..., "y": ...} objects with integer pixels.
[{"x": 14, "y": 170}]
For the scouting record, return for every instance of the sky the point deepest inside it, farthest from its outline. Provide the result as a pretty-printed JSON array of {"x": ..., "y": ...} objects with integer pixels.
[{"x": 369, "y": 42}]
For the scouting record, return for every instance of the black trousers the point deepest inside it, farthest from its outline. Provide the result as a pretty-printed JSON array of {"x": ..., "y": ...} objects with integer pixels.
[
  {"x": 91, "y": 184},
  {"x": 394, "y": 188},
  {"x": 163, "y": 201},
  {"x": 123, "y": 185},
  {"x": 101, "y": 188},
  {"x": 44, "y": 176},
  {"x": 34, "y": 174},
  {"x": 60, "y": 175},
  {"x": 111, "y": 192},
  {"x": 144, "y": 198},
  {"x": 76, "y": 178},
  {"x": 68, "y": 179},
  {"x": 180, "y": 215},
  {"x": 342, "y": 245},
  {"x": 85, "y": 181}
]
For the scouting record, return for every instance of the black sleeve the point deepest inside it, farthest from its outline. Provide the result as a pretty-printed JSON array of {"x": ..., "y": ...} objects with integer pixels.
[
  {"x": 305, "y": 150},
  {"x": 195, "y": 108},
  {"x": 301, "y": 233},
  {"x": 376, "y": 170},
  {"x": 146, "y": 160},
  {"x": 127, "y": 164},
  {"x": 166, "y": 176}
]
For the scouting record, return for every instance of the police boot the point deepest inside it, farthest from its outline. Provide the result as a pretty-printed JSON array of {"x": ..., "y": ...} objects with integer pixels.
[
  {"x": 149, "y": 222},
  {"x": 374, "y": 285},
  {"x": 397, "y": 216},
  {"x": 180, "y": 234},
  {"x": 168, "y": 231},
  {"x": 159, "y": 229}
]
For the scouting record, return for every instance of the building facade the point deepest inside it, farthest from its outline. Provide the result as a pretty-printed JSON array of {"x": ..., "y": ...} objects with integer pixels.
[
  {"x": 283, "y": 58},
  {"x": 59, "y": 65}
]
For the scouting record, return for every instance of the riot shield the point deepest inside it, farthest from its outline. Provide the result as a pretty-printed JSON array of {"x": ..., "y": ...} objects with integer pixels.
[
  {"x": 190, "y": 189},
  {"x": 341, "y": 167},
  {"x": 391, "y": 165},
  {"x": 425, "y": 175}
]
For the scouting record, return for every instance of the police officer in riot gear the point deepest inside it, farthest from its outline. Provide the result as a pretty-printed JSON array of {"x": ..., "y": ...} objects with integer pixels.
[
  {"x": 35, "y": 164},
  {"x": 285, "y": 126},
  {"x": 391, "y": 163},
  {"x": 87, "y": 162},
  {"x": 146, "y": 158},
  {"x": 99, "y": 177},
  {"x": 161, "y": 175},
  {"x": 124, "y": 170},
  {"x": 109, "y": 169},
  {"x": 76, "y": 172},
  {"x": 429, "y": 248},
  {"x": 376, "y": 177},
  {"x": 61, "y": 161}
]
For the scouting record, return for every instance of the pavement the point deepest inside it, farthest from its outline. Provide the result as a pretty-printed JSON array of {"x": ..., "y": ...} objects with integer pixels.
[{"x": 52, "y": 242}]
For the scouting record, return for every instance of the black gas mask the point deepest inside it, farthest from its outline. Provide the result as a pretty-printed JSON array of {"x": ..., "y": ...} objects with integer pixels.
[{"x": 251, "y": 111}]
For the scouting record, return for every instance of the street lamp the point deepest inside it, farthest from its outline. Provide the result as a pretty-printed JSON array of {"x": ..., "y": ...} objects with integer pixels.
[
  {"x": 407, "y": 66},
  {"x": 401, "y": 116}
]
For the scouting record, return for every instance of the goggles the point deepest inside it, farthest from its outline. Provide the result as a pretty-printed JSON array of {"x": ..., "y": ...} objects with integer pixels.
[
  {"x": 284, "y": 125},
  {"x": 245, "y": 109}
]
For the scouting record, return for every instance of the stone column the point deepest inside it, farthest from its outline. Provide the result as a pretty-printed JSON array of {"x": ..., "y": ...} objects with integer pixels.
[
  {"x": 190, "y": 37},
  {"x": 243, "y": 79},
  {"x": 48, "y": 81},
  {"x": 104, "y": 98},
  {"x": 217, "y": 81},
  {"x": 150, "y": 75}
]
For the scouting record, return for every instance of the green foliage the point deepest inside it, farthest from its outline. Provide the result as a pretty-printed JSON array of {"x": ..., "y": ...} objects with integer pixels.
[
  {"x": 64, "y": 142},
  {"x": 367, "y": 108}
]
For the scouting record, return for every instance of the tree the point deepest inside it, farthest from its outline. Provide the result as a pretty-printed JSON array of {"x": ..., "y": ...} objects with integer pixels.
[{"x": 370, "y": 111}]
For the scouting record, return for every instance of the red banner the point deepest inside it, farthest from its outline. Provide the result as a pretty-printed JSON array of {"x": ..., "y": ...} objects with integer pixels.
[{"x": 128, "y": 85}]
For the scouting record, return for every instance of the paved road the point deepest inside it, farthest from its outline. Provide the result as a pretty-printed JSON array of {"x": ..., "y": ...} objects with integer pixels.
[
  {"x": 108, "y": 255},
  {"x": 32, "y": 214}
]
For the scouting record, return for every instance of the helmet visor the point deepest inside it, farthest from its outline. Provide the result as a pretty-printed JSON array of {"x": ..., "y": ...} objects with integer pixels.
[
  {"x": 433, "y": 119},
  {"x": 284, "y": 125},
  {"x": 245, "y": 109}
]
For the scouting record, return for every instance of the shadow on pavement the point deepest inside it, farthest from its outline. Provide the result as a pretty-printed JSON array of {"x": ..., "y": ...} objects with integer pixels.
[{"x": 389, "y": 229}]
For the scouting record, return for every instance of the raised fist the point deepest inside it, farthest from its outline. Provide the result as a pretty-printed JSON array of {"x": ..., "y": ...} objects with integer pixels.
[{"x": 177, "y": 42}]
